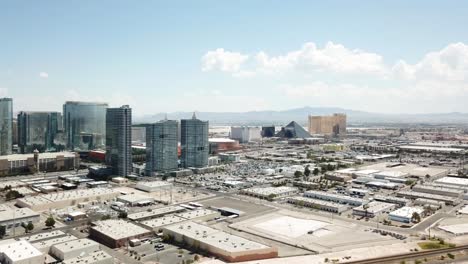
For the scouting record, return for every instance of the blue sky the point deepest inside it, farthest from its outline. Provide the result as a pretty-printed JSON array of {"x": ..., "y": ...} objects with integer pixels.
[{"x": 165, "y": 56}]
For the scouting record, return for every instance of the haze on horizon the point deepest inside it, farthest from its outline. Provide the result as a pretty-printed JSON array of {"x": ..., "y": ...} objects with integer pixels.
[{"x": 376, "y": 56}]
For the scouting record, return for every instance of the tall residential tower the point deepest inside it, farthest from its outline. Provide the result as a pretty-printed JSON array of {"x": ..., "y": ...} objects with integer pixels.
[
  {"x": 161, "y": 147},
  {"x": 119, "y": 140},
  {"x": 194, "y": 142},
  {"x": 6, "y": 126}
]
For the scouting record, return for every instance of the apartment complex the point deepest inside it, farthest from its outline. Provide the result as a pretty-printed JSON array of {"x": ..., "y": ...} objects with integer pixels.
[
  {"x": 119, "y": 140},
  {"x": 194, "y": 143},
  {"x": 161, "y": 147}
]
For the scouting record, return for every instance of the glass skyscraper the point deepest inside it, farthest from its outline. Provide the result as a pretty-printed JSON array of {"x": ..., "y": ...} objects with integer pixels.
[
  {"x": 38, "y": 130},
  {"x": 85, "y": 125},
  {"x": 161, "y": 147},
  {"x": 6, "y": 126},
  {"x": 194, "y": 143},
  {"x": 119, "y": 140}
]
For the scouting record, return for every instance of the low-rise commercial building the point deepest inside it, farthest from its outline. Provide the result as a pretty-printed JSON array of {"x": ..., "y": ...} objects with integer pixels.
[
  {"x": 97, "y": 257},
  {"x": 74, "y": 248},
  {"x": 135, "y": 199},
  {"x": 405, "y": 214},
  {"x": 10, "y": 217},
  {"x": 428, "y": 202},
  {"x": 318, "y": 204},
  {"x": 157, "y": 223},
  {"x": 337, "y": 177},
  {"x": 453, "y": 181},
  {"x": 270, "y": 192},
  {"x": 200, "y": 214},
  {"x": 391, "y": 199},
  {"x": 227, "y": 247},
  {"x": 414, "y": 195},
  {"x": 66, "y": 198},
  {"x": 116, "y": 233},
  {"x": 154, "y": 213},
  {"x": 19, "y": 252},
  {"x": 30, "y": 163},
  {"x": 337, "y": 198},
  {"x": 372, "y": 209},
  {"x": 438, "y": 190},
  {"x": 153, "y": 186}
]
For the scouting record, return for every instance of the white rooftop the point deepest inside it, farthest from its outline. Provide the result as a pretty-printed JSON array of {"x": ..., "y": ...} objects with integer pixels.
[
  {"x": 20, "y": 213},
  {"x": 155, "y": 212},
  {"x": 134, "y": 198},
  {"x": 75, "y": 245},
  {"x": 118, "y": 229},
  {"x": 375, "y": 207},
  {"x": 154, "y": 184},
  {"x": 406, "y": 212},
  {"x": 197, "y": 213},
  {"x": 272, "y": 190},
  {"x": 66, "y": 195},
  {"x": 18, "y": 250},
  {"x": 94, "y": 257},
  {"x": 458, "y": 229},
  {"x": 214, "y": 237},
  {"x": 163, "y": 221},
  {"x": 453, "y": 181}
]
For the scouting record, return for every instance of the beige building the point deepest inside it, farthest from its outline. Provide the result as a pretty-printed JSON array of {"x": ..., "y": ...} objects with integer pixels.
[
  {"x": 334, "y": 125},
  {"x": 29, "y": 163}
]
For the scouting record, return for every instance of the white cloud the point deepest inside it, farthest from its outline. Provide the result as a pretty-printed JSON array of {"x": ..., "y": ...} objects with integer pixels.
[
  {"x": 333, "y": 58},
  {"x": 222, "y": 60},
  {"x": 448, "y": 64},
  {"x": 44, "y": 75}
]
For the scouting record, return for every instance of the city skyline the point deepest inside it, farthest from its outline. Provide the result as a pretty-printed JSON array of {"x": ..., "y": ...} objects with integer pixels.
[{"x": 232, "y": 57}]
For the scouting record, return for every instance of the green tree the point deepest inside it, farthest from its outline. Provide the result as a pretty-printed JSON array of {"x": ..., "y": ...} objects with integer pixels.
[
  {"x": 316, "y": 171},
  {"x": 106, "y": 217},
  {"x": 307, "y": 171},
  {"x": 271, "y": 197},
  {"x": 123, "y": 215},
  {"x": 416, "y": 217},
  {"x": 50, "y": 221},
  {"x": 196, "y": 258},
  {"x": 29, "y": 227},
  {"x": 298, "y": 174},
  {"x": 2, "y": 231},
  {"x": 13, "y": 194}
]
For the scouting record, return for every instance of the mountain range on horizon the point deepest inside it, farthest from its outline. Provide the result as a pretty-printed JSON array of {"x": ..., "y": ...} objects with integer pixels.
[{"x": 270, "y": 117}]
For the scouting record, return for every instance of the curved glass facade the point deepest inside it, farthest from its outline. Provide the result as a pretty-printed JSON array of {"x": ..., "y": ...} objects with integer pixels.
[
  {"x": 85, "y": 125},
  {"x": 38, "y": 130}
]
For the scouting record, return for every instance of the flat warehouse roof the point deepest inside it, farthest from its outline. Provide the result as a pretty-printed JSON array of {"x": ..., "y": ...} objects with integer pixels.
[
  {"x": 375, "y": 207},
  {"x": 20, "y": 213},
  {"x": 74, "y": 245},
  {"x": 155, "y": 212},
  {"x": 118, "y": 229},
  {"x": 453, "y": 180},
  {"x": 18, "y": 250},
  {"x": 163, "y": 221},
  {"x": 406, "y": 212},
  {"x": 214, "y": 237}
]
